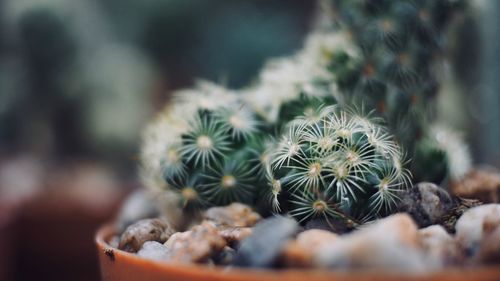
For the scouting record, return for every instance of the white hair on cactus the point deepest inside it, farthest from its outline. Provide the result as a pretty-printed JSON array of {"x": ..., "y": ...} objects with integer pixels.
[
  {"x": 320, "y": 46},
  {"x": 205, "y": 96},
  {"x": 158, "y": 136},
  {"x": 280, "y": 81},
  {"x": 163, "y": 134},
  {"x": 457, "y": 152},
  {"x": 283, "y": 79}
]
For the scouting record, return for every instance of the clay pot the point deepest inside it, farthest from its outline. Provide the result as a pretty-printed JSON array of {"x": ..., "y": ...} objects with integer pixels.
[{"x": 117, "y": 265}]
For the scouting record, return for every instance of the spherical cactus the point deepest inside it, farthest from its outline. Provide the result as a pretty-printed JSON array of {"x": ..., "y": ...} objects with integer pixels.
[
  {"x": 340, "y": 166},
  {"x": 200, "y": 148}
]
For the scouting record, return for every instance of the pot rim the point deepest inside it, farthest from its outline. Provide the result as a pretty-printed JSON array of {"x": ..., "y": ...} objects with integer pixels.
[{"x": 105, "y": 232}]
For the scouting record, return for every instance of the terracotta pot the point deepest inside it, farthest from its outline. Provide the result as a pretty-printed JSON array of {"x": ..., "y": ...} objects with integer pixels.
[{"x": 117, "y": 265}]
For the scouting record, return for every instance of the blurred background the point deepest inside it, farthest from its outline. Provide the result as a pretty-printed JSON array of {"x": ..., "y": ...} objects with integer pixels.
[{"x": 80, "y": 78}]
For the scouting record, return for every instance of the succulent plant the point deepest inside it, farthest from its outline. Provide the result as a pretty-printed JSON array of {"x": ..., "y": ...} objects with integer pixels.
[
  {"x": 338, "y": 165},
  {"x": 203, "y": 148},
  {"x": 292, "y": 142},
  {"x": 385, "y": 56}
]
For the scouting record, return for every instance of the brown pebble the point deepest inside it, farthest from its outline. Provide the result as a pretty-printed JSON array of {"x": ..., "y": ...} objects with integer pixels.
[
  {"x": 195, "y": 245},
  {"x": 300, "y": 252},
  {"x": 234, "y": 215},
  {"x": 234, "y": 235},
  {"x": 482, "y": 184},
  {"x": 296, "y": 255},
  {"x": 489, "y": 249},
  {"x": 440, "y": 246},
  {"x": 144, "y": 230}
]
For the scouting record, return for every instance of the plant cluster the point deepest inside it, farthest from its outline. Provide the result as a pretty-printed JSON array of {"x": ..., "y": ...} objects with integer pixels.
[
  {"x": 291, "y": 142},
  {"x": 386, "y": 56}
]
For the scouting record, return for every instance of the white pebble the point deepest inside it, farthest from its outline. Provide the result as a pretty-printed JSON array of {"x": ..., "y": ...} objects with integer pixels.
[{"x": 154, "y": 250}]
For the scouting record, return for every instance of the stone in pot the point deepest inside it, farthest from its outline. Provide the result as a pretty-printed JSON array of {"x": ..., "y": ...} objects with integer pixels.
[
  {"x": 196, "y": 245},
  {"x": 233, "y": 215},
  {"x": 144, "y": 230},
  {"x": 482, "y": 184},
  {"x": 263, "y": 247},
  {"x": 427, "y": 203},
  {"x": 300, "y": 251},
  {"x": 389, "y": 244},
  {"x": 475, "y": 225},
  {"x": 439, "y": 246}
]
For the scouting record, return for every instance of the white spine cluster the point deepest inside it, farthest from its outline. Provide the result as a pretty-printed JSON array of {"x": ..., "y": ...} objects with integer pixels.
[
  {"x": 341, "y": 160},
  {"x": 456, "y": 150}
]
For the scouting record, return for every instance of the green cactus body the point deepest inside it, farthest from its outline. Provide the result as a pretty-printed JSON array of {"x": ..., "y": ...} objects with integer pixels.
[
  {"x": 396, "y": 71},
  {"x": 202, "y": 147},
  {"x": 342, "y": 165},
  {"x": 384, "y": 56}
]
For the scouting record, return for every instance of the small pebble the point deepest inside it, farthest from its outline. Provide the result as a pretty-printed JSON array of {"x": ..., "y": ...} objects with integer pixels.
[
  {"x": 234, "y": 235},
  {"x": 264, "y": 246},
  {"x": 489, "y": 249},
  {"x": 300, "y": 252},
  {"x": 196, "y": 245},
  {"x": 225, "y": 257},
  {"x": 389, "y": 244},
  {"x": 144, "y": 230},
  {"x": 154, "y": 250},
  {"x": 475, "y": 224},
  {"x": 482, "y": 184},
  {"x": 427, "y": 203},
  {"x": 234, "y": 215},
  {"x": 439, "y": 246}
]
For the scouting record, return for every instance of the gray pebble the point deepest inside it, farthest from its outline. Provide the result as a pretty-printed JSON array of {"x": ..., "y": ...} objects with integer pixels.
[
  {"x": 225, "y": 257},
  {"x": 427, "y": 203},
  {"x": 263, "y": 247}
]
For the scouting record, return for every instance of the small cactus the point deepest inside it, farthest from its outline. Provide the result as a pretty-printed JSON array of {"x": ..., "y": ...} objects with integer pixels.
[
  {"x": 342, "y": 165},
  {"x": 198, "y": 148}
]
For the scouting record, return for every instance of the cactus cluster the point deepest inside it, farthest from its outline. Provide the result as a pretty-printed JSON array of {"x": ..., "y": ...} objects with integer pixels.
[
  {"x": 401, "y": 56},
  {"x": 340, "y": 164},
  {"x": 292, "y": 142},
  {"x": 203, "y": 147},
  {"x": 387, "y": 56}
]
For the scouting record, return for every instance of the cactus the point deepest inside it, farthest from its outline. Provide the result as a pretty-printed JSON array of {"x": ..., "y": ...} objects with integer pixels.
[
  {"x": 340, "y": 166},
  {"x": 385, "y": 56},
  {"x": 292, "y": 142},
  {"x": 201, "y": 148}
]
